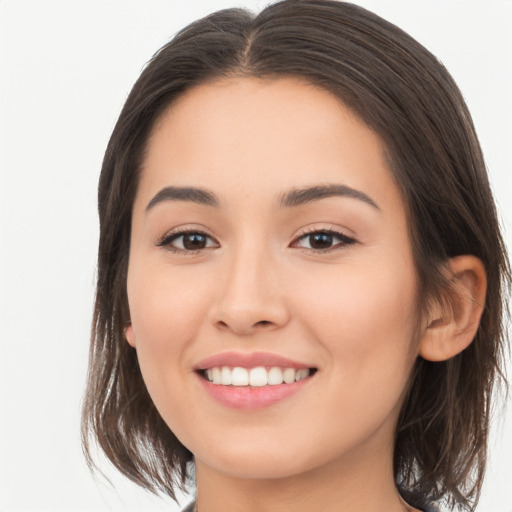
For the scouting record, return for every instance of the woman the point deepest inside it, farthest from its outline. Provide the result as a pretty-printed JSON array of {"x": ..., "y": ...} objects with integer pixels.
[{"x": 300, "y": 275}]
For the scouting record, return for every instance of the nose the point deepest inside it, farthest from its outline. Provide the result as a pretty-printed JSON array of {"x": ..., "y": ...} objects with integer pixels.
[{"x": 250, "y": 298}]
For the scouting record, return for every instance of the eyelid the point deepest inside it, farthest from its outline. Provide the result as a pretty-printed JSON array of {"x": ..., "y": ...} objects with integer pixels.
[
  {"x": 347, "y": 240},
  {"x": 166, "y": 240}
]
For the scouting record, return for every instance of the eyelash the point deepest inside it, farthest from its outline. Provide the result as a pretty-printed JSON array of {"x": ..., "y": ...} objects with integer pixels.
[
  {"x": 345, "y": 241},
  {"x": 169, "y": 238}
]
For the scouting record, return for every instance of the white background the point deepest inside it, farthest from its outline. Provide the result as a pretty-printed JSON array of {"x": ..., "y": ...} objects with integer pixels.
[{"x": 65, "y": 70}]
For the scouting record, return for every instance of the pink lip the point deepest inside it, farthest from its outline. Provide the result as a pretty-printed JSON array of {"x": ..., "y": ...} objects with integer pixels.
[
  {"x": 249, "y": 360},
  {"x": 247, "y": 397}
]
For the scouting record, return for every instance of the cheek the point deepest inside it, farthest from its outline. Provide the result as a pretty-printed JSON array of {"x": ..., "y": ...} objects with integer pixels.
[
  {"x": 366, "y": 319},
  {"x": 166, "y": 314},
  {"x": 166, "y": 307},
  {"x": 366, "y": 323}
]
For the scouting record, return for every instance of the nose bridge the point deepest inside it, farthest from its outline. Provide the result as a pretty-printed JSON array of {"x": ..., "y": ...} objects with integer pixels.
[{"x": 249, "y": 296}]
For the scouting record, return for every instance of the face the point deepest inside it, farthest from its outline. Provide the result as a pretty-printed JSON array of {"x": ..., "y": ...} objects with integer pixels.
[{"x": 270, "y": 254}]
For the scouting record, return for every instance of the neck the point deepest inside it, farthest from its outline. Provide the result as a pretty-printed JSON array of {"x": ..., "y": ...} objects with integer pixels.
[{"x": 351, "y": 484}]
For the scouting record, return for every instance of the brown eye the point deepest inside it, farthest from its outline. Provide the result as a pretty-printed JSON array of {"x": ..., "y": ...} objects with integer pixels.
[
  {"x": 320, "y": 240},
  {"x": 324, "y": 241},
  {"x": 194, "y": 241},
  {"x": 188, "y": 241}
]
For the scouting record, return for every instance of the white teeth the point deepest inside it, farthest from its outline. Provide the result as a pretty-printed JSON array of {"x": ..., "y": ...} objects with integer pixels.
[
  {"x": 216, "y": 377},
  {"x": 301, "y": 374},
  {"x": 225, "y": 376},
  {"x": 255, "y": 377},
  {"x": 275, "y": 376},
  {"x": 289, "y": 375},
  {"x": 258, "y": 377},
  {"x": 239, "y": 377}
]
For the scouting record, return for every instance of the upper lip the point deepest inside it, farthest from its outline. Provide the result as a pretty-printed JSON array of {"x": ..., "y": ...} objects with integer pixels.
[{"x": 249, "y": 360}]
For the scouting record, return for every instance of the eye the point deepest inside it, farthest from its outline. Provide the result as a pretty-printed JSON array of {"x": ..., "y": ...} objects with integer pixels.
[
  {"x": 323, "y": 241},
  {"x": 187, "y": 241}
]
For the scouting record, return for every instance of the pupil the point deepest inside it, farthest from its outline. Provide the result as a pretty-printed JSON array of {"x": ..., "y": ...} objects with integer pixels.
[
  {"x": 320, "y": 240},
  {"x": 194, "y": 241}
]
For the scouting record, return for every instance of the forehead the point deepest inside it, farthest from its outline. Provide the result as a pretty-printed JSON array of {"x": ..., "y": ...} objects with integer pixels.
[{"x": 263, "y": 136}]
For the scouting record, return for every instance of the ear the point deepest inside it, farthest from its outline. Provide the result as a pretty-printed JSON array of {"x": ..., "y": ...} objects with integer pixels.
[
  {"x": 452, "y": 322},
  {"x": 129, "y": 334}
]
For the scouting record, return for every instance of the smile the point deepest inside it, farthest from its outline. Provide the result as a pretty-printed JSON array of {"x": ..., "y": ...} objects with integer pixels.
[
  {"x": 255, "y": 377},
  {"x": 253, "y": 380}
]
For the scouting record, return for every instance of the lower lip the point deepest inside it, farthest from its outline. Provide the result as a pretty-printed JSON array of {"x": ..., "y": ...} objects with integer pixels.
[{"x": 246, "y": 397}]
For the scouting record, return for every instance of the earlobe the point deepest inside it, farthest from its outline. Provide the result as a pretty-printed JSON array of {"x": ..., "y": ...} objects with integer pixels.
[
  {"x": 453, "y": 321},
  {"x": 130, "y": 335}
]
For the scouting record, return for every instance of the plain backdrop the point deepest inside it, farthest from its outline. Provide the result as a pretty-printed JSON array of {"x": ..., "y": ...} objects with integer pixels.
[{"x": 66, "y": 68}]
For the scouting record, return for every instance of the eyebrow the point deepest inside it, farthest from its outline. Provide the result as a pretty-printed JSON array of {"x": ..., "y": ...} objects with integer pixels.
[
  {"x": 306, "y": 195},
  {"x": 290, "y": 199},
  {"x": 191, "y": 194}
]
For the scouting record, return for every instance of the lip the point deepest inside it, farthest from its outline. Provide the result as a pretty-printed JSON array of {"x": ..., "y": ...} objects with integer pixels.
[
  {"x": 249, "y": 360},
  {"x": 247, "y": 397}
]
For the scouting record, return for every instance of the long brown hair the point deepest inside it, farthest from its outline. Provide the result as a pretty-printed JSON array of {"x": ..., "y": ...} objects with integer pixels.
[{"x": 409, "y": 99}]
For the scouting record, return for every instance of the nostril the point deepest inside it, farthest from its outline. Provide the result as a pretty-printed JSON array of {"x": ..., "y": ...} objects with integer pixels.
[{"x": 244, "y": 325}]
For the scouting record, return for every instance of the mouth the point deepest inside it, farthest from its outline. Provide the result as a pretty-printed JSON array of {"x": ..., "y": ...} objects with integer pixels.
[
  {"x": 255, "y": 377},
  {"x": 252, "y": 381}
]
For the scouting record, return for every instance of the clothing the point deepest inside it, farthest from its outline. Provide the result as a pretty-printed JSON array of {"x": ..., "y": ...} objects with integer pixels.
[
  {"x": 189, "y": 507},
  {"x": 418, "y": 502}
]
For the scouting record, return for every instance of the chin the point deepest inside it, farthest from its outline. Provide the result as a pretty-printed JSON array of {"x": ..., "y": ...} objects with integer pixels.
[
  {"x": 258, "y": 462},
  {"x": 256, "y": 468}
]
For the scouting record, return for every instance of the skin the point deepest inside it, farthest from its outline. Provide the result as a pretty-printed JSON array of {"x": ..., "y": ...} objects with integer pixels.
[{"x": 348, "y": 310}]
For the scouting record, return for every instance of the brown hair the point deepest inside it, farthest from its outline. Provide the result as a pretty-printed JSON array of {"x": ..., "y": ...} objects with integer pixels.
[{"x": 403, "y": 93}]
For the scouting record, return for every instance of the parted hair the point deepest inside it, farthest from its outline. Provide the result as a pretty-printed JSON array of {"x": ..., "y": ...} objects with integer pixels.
[{"x": 402, "y": 92}]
